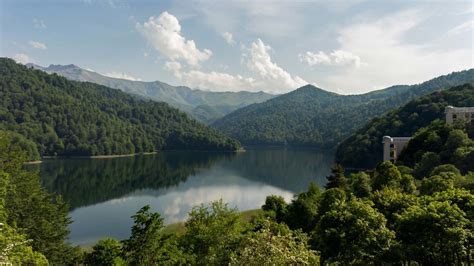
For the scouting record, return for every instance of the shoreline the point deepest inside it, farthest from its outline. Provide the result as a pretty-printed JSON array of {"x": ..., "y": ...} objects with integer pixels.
[
  {"x": 99, "y": 156},
  {"x": 241, "y": 150},
  {"x": 33, "y": 162}
]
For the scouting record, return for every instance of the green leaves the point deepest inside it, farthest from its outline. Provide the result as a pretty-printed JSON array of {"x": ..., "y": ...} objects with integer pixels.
[
  {"x": 140, "y": 247},
  {"x": 54, "y": 116},
  {"x": 431, "y": 232},
  {"x": 35, "y": 214},
  {"x": 363, "y": 149},
  {"x": 352, "y": 233}
]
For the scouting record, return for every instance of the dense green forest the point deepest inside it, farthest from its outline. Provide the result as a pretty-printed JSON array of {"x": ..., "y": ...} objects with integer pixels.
[
  {"x": 393, "y": 214},
  {"x": 312, "y": 117},
  {"x": 439, "y": 144},
  {"x": 418, "y": 211},
  {"x": 364, "y": 148},
  {"x": 63, "y": 117},
  {"x": 34, "y": 223},
  {"x": 205, "y": 106}
]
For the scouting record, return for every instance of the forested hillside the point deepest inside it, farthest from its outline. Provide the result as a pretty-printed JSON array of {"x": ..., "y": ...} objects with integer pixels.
[
  {"x": 310, "y": 116},
  {"x": 391, "y": 215},
  {"x": 363, "y": 149},
  {"x": 206, "y": 106},
  {"x": 65, "y": 117}
]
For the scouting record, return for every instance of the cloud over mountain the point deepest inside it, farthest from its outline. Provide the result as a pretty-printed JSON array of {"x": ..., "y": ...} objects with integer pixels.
[
  {"x": 120, "y": 75},
  {"x": 37, "y": 45},
  {"x": 336, "y": 57},
  {"x": 164, "y": 34}
]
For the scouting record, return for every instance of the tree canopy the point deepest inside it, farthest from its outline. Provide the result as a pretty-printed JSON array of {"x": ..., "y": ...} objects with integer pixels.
[
  {"x": 312, "y": 117},
  {"x": 65, "y": 117},
  {"x": 363, "y": 149}
]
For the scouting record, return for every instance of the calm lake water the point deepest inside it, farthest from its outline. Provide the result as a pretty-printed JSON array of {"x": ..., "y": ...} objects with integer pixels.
[{"x": 104, "y": 193}]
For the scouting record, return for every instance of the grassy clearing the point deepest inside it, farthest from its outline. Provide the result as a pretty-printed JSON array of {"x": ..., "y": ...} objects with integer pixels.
[{"x": 179, "y": 228}]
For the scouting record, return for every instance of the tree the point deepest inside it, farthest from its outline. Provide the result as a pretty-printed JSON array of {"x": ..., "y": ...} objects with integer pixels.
[
  {"x": 15, "y": 248},
  {"x": 277, "y": 206},
  {"x": 386, "y": 175},
  {"x": 436, "y": 183},
  {"x": 407, "y": 184},
  {"x": 428, "y": 161},
  {"x": 35, "y": 213},
  {"x": 434, "y": 233},
  {"x": 106, "y": 252},
  {"x": 302, "y": 210},
  {"x": 360, "y": 184},
  {"x": 140, "y": 247},
  {"x": 331, "y": 199},
  {"x": 337, "y": 178},
  {"x": 212, "y": 233},
  {"x": 352, "y": 233},
  {"x": 391, "y": 202},
  {"x": 274, "y": 244},
  {"x": 445, "y": 168}
]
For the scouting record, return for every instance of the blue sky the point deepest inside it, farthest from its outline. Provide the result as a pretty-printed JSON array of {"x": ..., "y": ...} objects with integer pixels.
[{"x": 276, "y": 46}]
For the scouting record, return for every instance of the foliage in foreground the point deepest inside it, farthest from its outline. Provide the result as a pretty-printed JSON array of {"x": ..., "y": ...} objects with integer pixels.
[
  {"x": 385, "y": 216},
  {"x": 34, "y": 223}
]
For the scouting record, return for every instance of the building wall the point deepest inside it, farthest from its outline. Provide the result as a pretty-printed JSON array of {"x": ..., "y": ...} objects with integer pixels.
[{"x": 454, "y": 114}]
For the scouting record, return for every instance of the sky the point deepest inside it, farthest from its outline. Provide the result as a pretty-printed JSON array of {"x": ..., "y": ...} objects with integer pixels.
[{"x": 348, "y": 47}]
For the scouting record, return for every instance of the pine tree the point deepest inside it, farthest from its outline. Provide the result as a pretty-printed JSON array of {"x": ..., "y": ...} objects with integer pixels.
[{"x": 337, "y": 178}]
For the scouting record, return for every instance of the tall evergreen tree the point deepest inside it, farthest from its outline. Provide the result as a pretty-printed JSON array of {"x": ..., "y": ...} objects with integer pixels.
[{"x": 337, "y": 178}]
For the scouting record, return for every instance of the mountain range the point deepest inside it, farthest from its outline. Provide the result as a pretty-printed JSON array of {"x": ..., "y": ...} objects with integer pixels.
[
  {"x": 312, "y": 117},
  {"x": 63, "y": 117},
  {"x": 205, "y": 106}
]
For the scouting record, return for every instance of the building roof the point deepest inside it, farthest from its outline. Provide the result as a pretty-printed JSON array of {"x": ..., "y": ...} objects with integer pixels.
[{"x": 460, "y": 109}]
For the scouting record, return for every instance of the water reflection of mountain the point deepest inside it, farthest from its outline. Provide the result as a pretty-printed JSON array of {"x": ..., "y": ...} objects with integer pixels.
[
  {"x": 84, "y": 182},
  {"x": 89, "y": 181},
  {"x": 285, "y": 168}
]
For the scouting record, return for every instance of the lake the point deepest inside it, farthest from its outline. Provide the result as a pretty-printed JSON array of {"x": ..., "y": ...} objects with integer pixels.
[{"x": 104, "y": 193}]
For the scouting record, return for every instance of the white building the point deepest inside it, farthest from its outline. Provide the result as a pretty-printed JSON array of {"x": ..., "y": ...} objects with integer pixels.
[
  {"x": 454, "y": 114},
  {"x": 393, "y": 146}
]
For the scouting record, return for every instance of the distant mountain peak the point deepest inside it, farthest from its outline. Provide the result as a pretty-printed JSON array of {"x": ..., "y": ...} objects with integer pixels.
[
  {"x": 310, "y": 89},
  {"x": 53, "y": 67}
]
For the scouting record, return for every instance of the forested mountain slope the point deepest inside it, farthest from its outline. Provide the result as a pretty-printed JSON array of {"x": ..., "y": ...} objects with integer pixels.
[
  {"x": 312, "y": 117},
  {"x": 363, "y": 149},
  {"x": 205, "y": 106},
  {"x": 64, "y": 117}
]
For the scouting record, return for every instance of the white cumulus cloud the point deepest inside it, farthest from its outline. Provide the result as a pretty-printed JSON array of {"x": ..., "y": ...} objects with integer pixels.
[
  {"x": 337, "y": 57},
  {"x": 388, "y": 58},
  {"x": 217, "y": 81},
  {"x": 268, "y": 76},
  {"x": 120, "y": 75},
  {"x": 164, "y": 34},
  {"x": 228, "y": 37},
  {"x": 260, "y": 62},
  {"x": 39, "y": 23},
  {"x": 38, "y": 45},
  {"x": 22, "y": 58}
]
